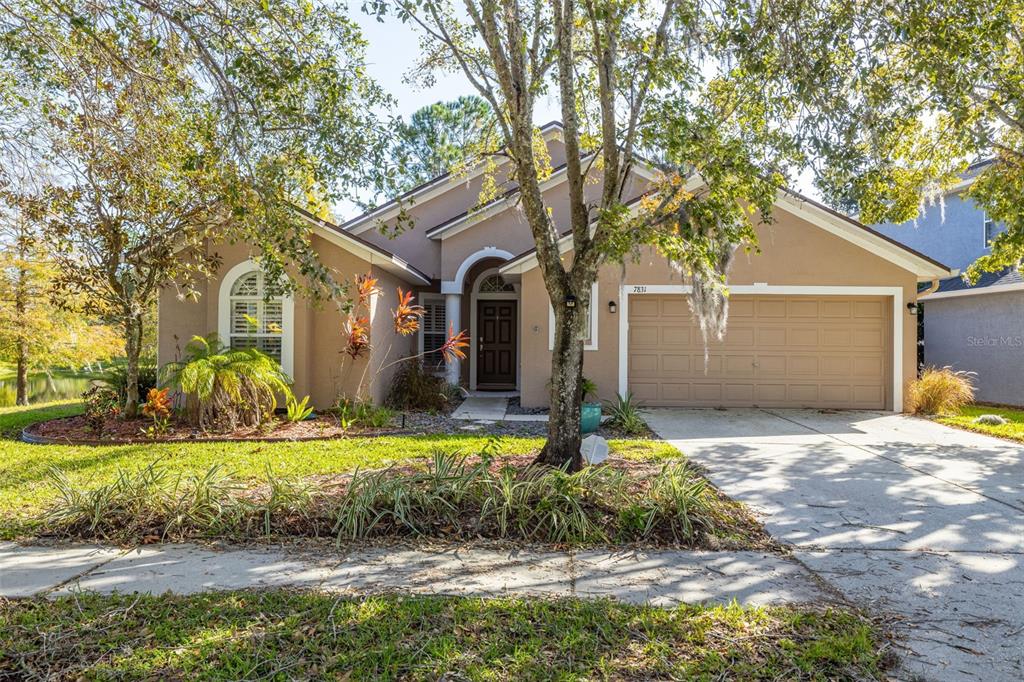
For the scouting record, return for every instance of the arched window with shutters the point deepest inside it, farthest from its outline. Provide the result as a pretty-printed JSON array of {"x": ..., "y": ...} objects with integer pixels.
[{"x": 254, "y": 313}]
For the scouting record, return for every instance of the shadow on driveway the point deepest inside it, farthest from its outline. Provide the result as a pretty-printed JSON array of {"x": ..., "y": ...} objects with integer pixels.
[{"x": 902, "y": 515}]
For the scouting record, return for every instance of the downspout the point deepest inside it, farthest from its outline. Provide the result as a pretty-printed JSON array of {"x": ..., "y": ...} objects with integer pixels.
[
  {"x": 930, "y": 290},
  {"x": 935, "y": 284}
]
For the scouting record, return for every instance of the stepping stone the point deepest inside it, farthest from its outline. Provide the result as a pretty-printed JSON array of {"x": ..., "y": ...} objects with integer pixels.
[{"x": 478, "y": 408}]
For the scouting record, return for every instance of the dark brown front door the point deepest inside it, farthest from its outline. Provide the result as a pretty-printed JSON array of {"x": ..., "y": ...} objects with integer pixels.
[{"x": 496, "y": 344}]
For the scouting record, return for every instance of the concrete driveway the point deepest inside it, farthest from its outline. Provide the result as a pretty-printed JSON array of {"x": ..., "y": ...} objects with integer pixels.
[{"x": 903, "y": 516}]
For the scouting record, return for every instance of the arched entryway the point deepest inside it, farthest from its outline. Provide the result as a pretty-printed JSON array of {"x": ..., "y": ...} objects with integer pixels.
[{"x": 495, "y": 334}]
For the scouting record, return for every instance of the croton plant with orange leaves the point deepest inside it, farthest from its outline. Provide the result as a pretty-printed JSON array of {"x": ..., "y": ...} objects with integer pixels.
[{"x": 407, "y": 315}]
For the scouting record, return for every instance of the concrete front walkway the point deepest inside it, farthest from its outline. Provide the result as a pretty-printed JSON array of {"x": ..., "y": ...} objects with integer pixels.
[
  {"x": 662, "y": 578},
  {"x": 902, "y": 515}
]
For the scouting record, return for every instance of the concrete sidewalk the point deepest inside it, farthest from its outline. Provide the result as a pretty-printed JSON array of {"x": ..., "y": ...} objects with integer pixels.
[{"x": 663, "y": 578}]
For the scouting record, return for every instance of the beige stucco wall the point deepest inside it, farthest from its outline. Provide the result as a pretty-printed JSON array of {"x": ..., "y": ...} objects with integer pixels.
[
  {"x": 320, "y": 368},
  {"x": 509, "y": 230},
  {"x": 388, "y": 347},
  {"x": 793, "y": 252},
  {"x": 411, "y": 243}
]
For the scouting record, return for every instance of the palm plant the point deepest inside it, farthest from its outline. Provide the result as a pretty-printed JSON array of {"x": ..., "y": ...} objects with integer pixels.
[{"x": 225, "y": 388}]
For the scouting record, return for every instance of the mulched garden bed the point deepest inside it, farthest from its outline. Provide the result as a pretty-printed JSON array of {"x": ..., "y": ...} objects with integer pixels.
[{"x": 76, "y": 431}]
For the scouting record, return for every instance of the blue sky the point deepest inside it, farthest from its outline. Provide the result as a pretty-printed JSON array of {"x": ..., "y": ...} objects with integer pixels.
[{"x": 393, "y": 51}]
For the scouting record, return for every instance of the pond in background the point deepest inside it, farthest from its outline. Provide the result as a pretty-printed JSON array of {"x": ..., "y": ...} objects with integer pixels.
[{"x": 42, "y": 388}]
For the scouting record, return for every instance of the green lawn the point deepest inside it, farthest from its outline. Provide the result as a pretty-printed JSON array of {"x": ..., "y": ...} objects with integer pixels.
[
  {"x": 284, "y": 635},
  {"x": 25, "y": 488},
  {"x": 1013, "y": 430}
]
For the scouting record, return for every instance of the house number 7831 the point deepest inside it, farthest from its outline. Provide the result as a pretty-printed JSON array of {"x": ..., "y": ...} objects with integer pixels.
[{"x": 639, "y": 290}]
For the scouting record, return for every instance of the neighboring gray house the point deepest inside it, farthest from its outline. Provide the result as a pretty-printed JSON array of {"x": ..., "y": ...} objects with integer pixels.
[{"x": 978, "y": 328}]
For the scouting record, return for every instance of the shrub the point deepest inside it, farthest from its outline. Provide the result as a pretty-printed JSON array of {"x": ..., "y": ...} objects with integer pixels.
[
  {"x": 362, "y": 414},
  {"x": 941, "y": 391},
  {"x": 625, "y": 416},
  {"x": 587, "y": 388},
  {"x": 158, "y": 408},
  {"x": 225, "y": 388},
  {"x": 116, "y": 378},
  {"x": 101, "y": 403},
  {"x": 298, "y": 410},
  {"x": 146, "y": 502},
  {"x": 412, "y": 388}
]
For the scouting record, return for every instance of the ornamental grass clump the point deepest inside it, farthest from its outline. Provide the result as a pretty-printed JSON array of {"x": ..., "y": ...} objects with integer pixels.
[
  {"x": 226, "y": 388},
  {"x": 147, "y": 503},
  {"x": 941, "y": 391},
  {"x": 451, "y": 497}
]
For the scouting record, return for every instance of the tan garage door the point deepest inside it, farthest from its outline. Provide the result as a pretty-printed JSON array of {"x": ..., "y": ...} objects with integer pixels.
[{"x": 779, "y": 351}]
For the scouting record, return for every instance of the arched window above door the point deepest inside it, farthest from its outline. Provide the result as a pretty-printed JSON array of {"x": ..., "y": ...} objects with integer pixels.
[{"x": 496, "y": 284}]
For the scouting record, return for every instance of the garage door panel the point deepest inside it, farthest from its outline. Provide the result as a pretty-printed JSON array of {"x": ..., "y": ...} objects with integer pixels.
[
  {"x": 770, "y": 307},
  {"x": 644, "y": 306},
  {"x": 801, "y": 336},
  {"x": 739, "y": 365},
  {"x": 778, "y": 351},
  {"x": 868, "y": 395},
  {"x": 676, "y": 336},
  {"x": 771, "y": 336},
  {"x": 872, "y": 310},
  {"x": 741, "y": 308},
  {"x": 771, "y": 393},
  {"x": 868, "y": 366},
  {"x": 739, "y": 394},
  {"x": 836, "y": 337},
  {"x": 707, "y": 393},
  {"x": 868, "y": 338},
  {"x": 836, "y": 365},
  {"x": 676, "y": 306},
  {"x": 803, "y": 394},
  {"x": 803, "y": 365},
  {"x": 673, "y": 392},
  {"x": 676, "y": 364},
  {"x": 771, "y": 365},
  {"x": 743, "y": 337},
  {"x": 641, "y": 336},
  {"x": 802, "y": 308},
  {"x": 641, "y": 364},
  {"x": 836, "y": 395},
  {"x": 836, "y": 308}
]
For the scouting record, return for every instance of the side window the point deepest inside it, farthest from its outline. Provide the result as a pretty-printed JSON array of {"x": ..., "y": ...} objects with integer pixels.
[
  {"x": 433, "y": 331},
  {"x": 992, "y": 229}
]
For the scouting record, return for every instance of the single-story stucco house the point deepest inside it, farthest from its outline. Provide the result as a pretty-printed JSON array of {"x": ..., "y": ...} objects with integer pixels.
[{"x": 818, "y": 318}]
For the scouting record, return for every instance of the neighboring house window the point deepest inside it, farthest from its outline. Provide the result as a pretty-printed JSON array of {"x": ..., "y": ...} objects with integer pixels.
[
  {"x": 256, "y": 315},
  {"x": 590, "y": 328},
  {"x": 433, "y": 332},
  {"x": 992, "y": 228}
]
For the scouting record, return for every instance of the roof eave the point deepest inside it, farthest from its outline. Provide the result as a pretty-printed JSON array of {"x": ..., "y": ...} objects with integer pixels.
[
  {"x": 372, "y": 253},
  {"x": 924, "y": 268}
]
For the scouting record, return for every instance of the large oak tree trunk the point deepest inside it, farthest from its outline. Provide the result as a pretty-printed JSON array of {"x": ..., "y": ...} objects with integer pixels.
[{"x": 563, "y": 445}]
